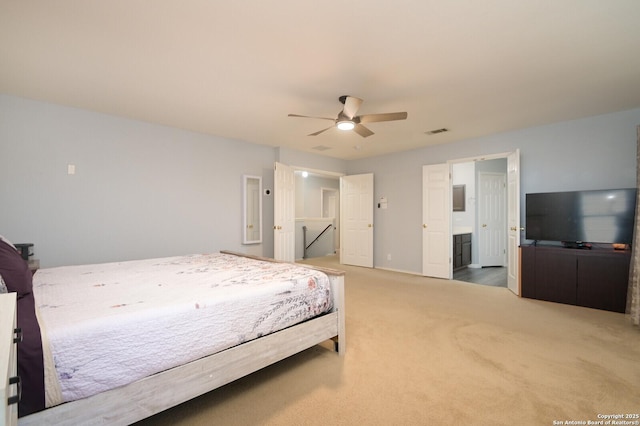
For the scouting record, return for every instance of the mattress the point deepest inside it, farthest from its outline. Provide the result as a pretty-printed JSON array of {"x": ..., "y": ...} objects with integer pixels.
[{"x": 107, "y": 325}]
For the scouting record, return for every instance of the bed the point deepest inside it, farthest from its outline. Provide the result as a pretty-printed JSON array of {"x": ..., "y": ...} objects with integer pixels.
[{"x": 268, "y": 332}]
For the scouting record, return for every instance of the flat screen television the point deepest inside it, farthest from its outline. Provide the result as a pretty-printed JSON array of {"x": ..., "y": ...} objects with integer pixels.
[{"x": 600, "y": 216}]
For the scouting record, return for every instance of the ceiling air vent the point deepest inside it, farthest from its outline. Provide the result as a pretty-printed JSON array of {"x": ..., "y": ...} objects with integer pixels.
[
  {"x": 436, "y": 131},
  {"x": 321, "y": 148}
]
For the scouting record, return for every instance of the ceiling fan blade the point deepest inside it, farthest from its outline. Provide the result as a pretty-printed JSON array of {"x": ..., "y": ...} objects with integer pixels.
[
  {"x": 320, "y": 131},
  {"x": 362, "y": 131},
  {"x": 389, "y": 116},
  {"x": 307, "y": 116},
  {"x": 351, "y": 106}
]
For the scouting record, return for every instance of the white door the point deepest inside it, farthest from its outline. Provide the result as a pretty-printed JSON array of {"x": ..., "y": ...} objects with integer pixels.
[
  {"x": 284, "y": 210},
  {"x": 356, "y": 219},
  {"x": 513, "y": 221},
  {"x": 436, "y": 221},
  {"x": 492, "y": 212}
]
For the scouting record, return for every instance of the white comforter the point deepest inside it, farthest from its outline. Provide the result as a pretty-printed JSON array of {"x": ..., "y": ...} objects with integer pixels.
[{"x": 111, "y": 324}]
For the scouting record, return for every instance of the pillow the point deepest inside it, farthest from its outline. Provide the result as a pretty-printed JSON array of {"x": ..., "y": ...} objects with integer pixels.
[
  {"x": 15, "y": 270},
  {"x": 3, "y": 286}
]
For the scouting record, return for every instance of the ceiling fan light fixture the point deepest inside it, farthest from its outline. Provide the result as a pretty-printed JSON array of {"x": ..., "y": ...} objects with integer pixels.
[
  {"x": 349, "y": 120},
  {"x": 346, "y": 125}
]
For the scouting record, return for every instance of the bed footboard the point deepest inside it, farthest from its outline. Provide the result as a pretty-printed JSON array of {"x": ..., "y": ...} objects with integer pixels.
[{"x": 161, "y": 391}]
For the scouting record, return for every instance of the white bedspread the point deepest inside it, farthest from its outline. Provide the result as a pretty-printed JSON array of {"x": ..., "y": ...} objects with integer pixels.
[{"x": 111, "y": 324}]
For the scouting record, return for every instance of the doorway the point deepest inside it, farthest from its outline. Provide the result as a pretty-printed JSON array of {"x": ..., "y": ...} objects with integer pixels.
[
  {"x": 317, "y": 212},
  {"x": 440, "y": 207},
  {"x": 293, "y": 199},
  {"x": 330, "y": 208},
  {"x": 495, "y": 276},
  {"x": 484, "y": 216}
]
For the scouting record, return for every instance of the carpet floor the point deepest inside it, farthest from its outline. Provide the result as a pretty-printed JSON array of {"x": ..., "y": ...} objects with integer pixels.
[{"x": 424, "y": 351}]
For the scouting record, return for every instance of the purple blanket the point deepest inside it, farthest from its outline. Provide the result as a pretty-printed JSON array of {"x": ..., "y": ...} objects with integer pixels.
[{"x": 17, "y": 277}]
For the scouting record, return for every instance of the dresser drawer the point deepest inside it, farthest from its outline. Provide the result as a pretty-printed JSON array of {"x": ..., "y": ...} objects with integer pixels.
[{"x": 8, "y": 363}]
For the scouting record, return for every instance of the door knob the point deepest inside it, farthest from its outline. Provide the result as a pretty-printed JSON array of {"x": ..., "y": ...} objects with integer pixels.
[
  {"x": 424, "y": 225},
  {"x": 484, "y": 225}
]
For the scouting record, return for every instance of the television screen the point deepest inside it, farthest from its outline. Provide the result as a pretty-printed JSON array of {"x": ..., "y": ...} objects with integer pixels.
[{"x": 601, "y": 216}]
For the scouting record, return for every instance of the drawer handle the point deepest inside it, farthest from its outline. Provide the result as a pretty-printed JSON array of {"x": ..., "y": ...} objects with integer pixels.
[
  {"x": 17, "y": 335},
  {"x": 16, "y": 398}
]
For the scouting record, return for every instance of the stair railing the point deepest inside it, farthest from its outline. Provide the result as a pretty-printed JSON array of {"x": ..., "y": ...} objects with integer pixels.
[{"x": 304, "y": 239}]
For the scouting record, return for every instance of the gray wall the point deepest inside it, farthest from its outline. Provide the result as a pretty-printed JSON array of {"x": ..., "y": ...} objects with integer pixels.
[
  {"x": 140, "y": 190},
  {"x": 309, "y": 194},
  {"x": 303, "y": 160},
  {"x": 592, "y": 153},
  {"x": 143, "y": 190}
]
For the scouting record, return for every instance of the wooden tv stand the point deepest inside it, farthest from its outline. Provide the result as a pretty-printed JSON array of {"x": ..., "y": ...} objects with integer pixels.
[{"x": 596, "y": 278}]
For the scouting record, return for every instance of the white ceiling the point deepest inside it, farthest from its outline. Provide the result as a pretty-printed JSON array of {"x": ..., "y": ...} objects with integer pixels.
[{"x": 237, "y": 68}]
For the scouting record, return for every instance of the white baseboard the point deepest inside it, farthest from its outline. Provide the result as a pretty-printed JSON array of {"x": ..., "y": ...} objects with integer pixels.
[{"x": 398, "y": 270}]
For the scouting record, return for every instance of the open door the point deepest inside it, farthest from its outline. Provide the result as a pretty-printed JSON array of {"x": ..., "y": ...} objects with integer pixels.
[
  {"x": 356, "y": 218},
  {"x": 284, "y": 211},
  {"x": 436, "y": 221},
  {"x": 513, "y": 221},
  {"x": 492, "y": 221}
]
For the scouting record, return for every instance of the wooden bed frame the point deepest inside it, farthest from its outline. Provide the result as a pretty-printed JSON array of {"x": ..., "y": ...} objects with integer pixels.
[{"x": 153, "y": 394}]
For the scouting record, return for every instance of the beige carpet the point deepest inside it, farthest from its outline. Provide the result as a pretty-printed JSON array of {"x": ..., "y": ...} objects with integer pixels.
[{"x": 429, "y": 351}]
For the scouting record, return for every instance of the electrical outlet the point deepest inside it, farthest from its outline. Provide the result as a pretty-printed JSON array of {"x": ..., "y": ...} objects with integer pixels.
[{"x": 389, "y": 256}]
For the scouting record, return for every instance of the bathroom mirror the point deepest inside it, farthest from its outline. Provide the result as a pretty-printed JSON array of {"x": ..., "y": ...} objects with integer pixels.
[
  {"x": 251, "y": 209},
  {"x": 459, "y": 198}
]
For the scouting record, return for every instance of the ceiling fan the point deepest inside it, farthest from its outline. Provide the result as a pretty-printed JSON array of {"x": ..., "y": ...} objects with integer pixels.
[{"x": 348, "y": 120}]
